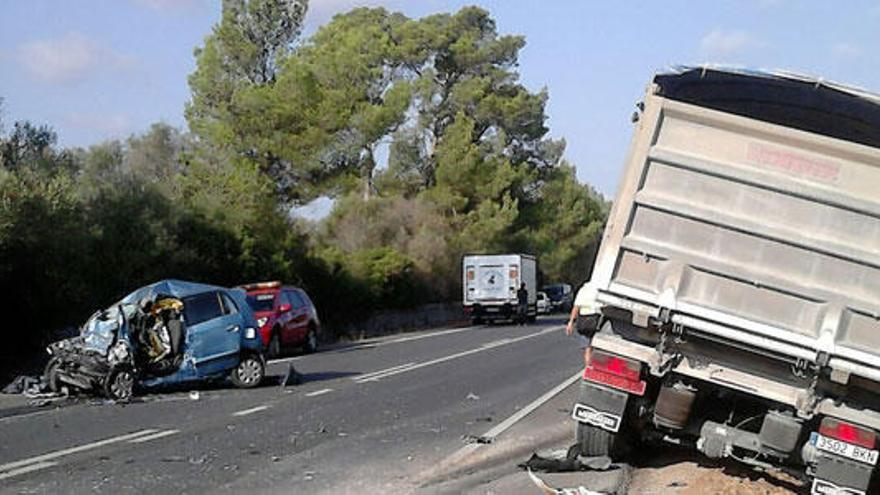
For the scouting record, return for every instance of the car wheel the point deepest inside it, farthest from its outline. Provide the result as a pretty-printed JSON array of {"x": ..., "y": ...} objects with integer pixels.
[
  {"x": 119, "y": 384},
  {"x": 311, "y": 344},
  {"x": 50, "y": 374},
  {"x": 274, "y": 349},
  {"x": 249, "y": 372}
]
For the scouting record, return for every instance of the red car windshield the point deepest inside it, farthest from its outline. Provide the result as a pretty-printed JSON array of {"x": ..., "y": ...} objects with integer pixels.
[{"x": 261, "y": 302}]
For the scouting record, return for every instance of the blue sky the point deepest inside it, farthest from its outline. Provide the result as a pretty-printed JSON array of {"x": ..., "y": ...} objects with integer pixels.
[{"x": 100, "y": 69}]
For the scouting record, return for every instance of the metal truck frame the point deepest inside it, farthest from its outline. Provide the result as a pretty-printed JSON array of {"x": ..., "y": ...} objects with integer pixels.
[{"x": 736, "y": 292}]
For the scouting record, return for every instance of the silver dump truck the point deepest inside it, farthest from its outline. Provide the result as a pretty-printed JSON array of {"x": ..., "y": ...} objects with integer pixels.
[{"x": 735, "y": 298}]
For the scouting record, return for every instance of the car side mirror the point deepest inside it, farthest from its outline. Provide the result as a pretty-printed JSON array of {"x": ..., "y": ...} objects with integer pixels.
[{"x": 284, "y": 308}]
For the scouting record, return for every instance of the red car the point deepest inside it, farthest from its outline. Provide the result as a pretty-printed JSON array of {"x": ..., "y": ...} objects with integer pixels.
[{"x": 286, "y": 317}]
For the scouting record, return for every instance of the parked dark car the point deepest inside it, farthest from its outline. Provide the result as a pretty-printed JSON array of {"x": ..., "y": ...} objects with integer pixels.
[
  {"x": 561, "y": 297},
  {"x": 285, "y": 316},
  {"x": 170, "y": 332}
]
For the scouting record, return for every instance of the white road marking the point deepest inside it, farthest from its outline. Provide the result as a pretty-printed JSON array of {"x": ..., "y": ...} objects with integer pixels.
[
  {"x": 319, "y": 392},
  {"x": 367, "y": 376},
  {"x": 154, "y": 436},
  {"x": 377, "y": 375},
  {"x": 74, "y": 450},
  {"x": 432, "y": 334},
  {"x": 517, "y": 416},
  {"x": 250, "y": 411},
  {"x": 27, "y": 469},
  {"x": 370, "y": 345}
]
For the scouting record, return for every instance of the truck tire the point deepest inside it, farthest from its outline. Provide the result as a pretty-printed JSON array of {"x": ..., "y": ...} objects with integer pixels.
[{"x": 595, "y": 442}]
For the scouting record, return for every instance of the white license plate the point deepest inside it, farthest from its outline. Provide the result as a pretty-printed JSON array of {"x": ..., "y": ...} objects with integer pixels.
[
  {"x": 586, "y": 414},
  {"x": 844, "y": 449},
  {"x": 822, "y": 487}
]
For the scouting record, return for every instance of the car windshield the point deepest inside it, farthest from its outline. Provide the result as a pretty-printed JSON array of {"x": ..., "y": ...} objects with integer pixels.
[
  {"x": 261, "y": 302},
  {"x": 553, "y": 290}
]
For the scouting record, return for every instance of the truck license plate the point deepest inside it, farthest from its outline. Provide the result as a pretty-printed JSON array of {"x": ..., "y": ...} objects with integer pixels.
[
  {"x": 586, "y": 414},
  {"x": 844, "y": 449}
]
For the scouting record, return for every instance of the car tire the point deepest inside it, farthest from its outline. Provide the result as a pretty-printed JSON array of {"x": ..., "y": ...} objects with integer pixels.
[
  {"x": 274, "y": 348},
  {"x": 119, "y": 384},
  {"x": 249, "y": 372},
  {"x": 595, "y": 442},
  {"x": 50, "y": 374},
  {"x": 311, "y": 344}
]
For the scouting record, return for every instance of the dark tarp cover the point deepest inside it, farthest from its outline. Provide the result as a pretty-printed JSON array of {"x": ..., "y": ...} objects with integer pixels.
[{"x": 791, "y": 100}]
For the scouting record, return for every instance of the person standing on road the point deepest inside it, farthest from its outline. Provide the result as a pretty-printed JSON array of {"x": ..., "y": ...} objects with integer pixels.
[
  {"x": 522, "y": 308},
  {"x": 586, "y": 331}
]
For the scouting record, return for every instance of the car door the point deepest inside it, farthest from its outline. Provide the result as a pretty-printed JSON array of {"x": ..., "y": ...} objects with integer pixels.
[
  {"x": 213, "y": 332},
  {"x": 299, "y": 315}
]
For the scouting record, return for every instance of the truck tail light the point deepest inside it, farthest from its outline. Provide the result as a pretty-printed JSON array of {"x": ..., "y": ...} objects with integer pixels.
[
  {"x": 514, "y": 272},
  {"x": 470, "y": 275},
  {"x": 849, "y": 433},
  {"x": 615, "y": 371}
]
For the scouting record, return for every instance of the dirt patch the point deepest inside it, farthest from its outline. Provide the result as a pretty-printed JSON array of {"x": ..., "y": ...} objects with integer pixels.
[{"x": 691, "y": 478}]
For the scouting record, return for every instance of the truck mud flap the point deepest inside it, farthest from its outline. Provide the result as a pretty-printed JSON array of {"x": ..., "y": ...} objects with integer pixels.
[{"x": 600, "y": 406}]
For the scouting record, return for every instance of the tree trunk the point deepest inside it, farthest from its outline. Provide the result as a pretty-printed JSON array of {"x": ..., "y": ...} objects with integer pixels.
[{"x": 367, "y": 166}]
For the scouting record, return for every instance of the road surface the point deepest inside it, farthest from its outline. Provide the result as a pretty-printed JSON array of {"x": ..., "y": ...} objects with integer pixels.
[{"x": 367, "y": 418}]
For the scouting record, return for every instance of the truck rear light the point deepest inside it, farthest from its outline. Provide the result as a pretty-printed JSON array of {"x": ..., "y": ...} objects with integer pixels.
[
  {"x": 514, "y": 272},
  {"x": 470, "y": 275},
  {"x": 615, "y": 371},
  {"x": 849, "y": 433}
]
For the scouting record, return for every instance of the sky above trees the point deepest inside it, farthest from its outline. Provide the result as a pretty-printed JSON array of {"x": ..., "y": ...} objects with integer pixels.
[{"x": 96, "y": 70}]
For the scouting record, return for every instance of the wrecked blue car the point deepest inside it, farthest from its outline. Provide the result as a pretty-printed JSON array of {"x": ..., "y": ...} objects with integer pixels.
[{"x": 171, "y": 332}]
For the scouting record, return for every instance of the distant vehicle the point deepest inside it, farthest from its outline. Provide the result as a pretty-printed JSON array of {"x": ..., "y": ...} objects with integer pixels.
[
  {"x": 543, "y": 303},
  {"x": 735, "y": 297},
  {"x": 170, "y": 332},
  {"x": 561, "y": 297},
  {"x": 285, "y": 316},
  {"x": 490, "y": 283}
]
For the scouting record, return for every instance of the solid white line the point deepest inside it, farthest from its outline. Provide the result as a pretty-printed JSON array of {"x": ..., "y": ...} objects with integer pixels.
[
  {"x": 154, "y": 436},
  {"x": 491, "y": 345},
  {"x": 432, "y": 334},
  {"x": 522, "y": 413},
  {"x": 250, "y": 411},
  {"x": 367, "y": 376},
  {"x": 517, "y": 416},
  {"x": 27, "y": 469},
  {"x": 319, "y": 392},
  {"x": 74, "y": 450}
]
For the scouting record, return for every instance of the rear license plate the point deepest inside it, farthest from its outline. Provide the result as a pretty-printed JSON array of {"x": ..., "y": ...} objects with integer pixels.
[
  {"x": 604, "y": 420},
  {"x": 844, "y": 449},
  {"x": 822, "y": 487}
]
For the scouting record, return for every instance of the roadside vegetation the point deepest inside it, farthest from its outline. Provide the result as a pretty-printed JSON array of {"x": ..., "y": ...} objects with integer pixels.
[{"x": 419, "y": 130}]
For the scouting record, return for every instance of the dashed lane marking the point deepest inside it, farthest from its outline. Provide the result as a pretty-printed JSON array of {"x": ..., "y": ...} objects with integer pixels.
[
  {"x": 11, "y": 466},
  {"x": 319, "y": 392},
  {"x": 250, "y": 411}
]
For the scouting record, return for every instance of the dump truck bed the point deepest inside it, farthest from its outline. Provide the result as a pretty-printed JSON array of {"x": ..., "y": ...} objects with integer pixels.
[{"x": 749, "y": 208}]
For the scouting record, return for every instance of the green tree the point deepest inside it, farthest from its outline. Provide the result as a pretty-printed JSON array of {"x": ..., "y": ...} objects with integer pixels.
[{"x": 244, "y": 49}]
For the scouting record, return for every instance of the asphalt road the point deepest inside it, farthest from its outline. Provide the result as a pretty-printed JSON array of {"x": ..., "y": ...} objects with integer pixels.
[{"x": 366, "y": 419}]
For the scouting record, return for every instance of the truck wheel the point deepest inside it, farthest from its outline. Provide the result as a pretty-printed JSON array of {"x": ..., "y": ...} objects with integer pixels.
[
  {"x": 249, "y": 372},
  {"x": 311, "y": 344},
  {"x": 595, "y": 441},
  {"x": 119, "y": 384},
  {"x": 274, "y": 348}
]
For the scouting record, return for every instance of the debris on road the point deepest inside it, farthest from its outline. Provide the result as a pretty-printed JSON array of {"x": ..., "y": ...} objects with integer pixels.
[
  {"x": 291, "y": 377},
  {"x": 194, "y": 395},
  {"x": 469, "y": 439},
  {"x": 472, "y": 396},
  {"x": 549, "y": 490}
]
